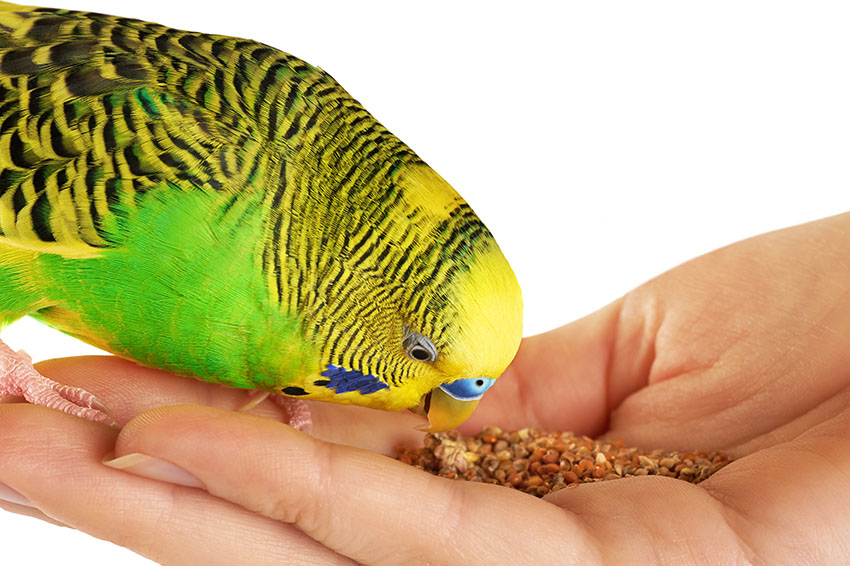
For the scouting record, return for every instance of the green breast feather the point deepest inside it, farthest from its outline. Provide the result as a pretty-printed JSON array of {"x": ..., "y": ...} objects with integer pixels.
[{"x": 215, "y": 207}]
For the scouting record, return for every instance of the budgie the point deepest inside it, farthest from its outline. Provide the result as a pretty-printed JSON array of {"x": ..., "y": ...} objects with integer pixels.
[{"x": 216, "y": 208}]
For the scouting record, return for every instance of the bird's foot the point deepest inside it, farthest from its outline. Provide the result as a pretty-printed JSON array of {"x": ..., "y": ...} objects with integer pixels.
[
  {"x": 298, "y": 412},
  {"x": 19, "y": 378}
]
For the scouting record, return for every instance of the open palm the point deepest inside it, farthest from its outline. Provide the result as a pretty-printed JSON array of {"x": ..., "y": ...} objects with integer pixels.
[{"x": 744, "y": 349}]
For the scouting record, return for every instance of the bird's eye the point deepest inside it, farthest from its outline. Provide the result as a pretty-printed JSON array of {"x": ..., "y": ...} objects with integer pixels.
[
  {"x": 420, "y": 353},
  {"x": 418, "y": 347}
]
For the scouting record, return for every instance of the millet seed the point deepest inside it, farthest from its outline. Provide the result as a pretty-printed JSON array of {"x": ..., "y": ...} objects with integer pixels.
[{"x": 539, "y": 463}]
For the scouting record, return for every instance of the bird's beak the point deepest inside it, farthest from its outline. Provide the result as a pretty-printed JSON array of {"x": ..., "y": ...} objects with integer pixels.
[{"x": 444, "y": 412}]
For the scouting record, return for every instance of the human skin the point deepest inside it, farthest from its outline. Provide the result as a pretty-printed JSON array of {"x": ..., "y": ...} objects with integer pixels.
[{"x": 744, "y": 349}]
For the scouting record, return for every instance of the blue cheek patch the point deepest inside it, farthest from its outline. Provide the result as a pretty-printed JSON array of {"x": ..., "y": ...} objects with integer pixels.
[
  {"x": 343, "y": 380},
  {"x": 468, "y": 389}
]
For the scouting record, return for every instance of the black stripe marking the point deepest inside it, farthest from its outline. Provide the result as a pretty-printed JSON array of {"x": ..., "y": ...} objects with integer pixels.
[
  {"x": 276, "y": 248},
  {"x": 45, "y": 29},
  {"x": 10, "y": 122},
  {"x": 16, "y": 151},
  {"x": 131, "y": 70},
  {"x": 290, "y": 98},
  {"x": 269, "y": 79},
  {"x": 272, "y": 121},
  {"x": 18, "y": 62},
  {"x": 57, "y": 142},
  {"x": 133, "y": 162},
  {"x": 87, "y": 82},
  {"x": 293, "y": 128},
  {"x": 19, "y": 201},
  {"x": 68, "y": 52},
  {"x": 40, "y": 214},
  {"x": 39, "y": 179}
]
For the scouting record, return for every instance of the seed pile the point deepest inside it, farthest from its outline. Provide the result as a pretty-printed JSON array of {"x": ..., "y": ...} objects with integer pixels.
[{"x": 539, "y": 463}]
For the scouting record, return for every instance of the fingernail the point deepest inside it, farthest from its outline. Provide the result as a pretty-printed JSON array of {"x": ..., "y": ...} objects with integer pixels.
[
  {"x": 154, "y": 468},
  {"x": 10, "y": 495}
]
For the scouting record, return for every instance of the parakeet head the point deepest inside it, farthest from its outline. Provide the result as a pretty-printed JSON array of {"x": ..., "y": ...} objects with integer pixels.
[
  {"x": 484, "y": 330},
  {"x": 419, "y": 309}
]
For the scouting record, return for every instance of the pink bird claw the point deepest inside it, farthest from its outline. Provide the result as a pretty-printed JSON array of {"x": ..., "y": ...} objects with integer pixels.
[
  {"x": 19, "y": 378},
  {"x": 79, "y": 402},
  {"x": 298, "y": 412}
]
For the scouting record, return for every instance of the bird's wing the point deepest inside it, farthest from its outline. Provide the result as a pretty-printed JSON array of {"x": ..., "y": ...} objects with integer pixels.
[{"x": 98, "y": 113}]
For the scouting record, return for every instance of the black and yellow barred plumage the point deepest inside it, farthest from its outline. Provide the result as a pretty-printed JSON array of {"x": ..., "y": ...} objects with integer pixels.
[{"x": 223, "y": 171}]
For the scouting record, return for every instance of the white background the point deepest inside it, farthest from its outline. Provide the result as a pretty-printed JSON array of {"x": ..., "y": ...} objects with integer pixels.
[{"x": 602, "y": 142}]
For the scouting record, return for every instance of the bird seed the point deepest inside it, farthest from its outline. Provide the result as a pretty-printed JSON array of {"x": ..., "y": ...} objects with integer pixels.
[{"x": 539, "y": 463}]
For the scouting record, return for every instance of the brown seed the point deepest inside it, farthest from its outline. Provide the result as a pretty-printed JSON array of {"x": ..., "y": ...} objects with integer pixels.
[
  {"x": 514, "y": 478},
  {"x": 549, "y": 469},
  {"x": 551, "y": 456},
  {"x": 540, "y": 463}
]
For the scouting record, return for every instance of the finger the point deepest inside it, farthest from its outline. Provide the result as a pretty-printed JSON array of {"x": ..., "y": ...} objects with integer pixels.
[
  {"x": 754, "y": 333},
  {"x": 363, "y": 505},
  {"x": 129, "y": 389},
  {"x": 54, "y": 460},
  {"x": 761, "y": 506}
]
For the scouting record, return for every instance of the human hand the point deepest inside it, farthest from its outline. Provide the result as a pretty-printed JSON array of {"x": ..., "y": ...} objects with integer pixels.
[{"x": 742, "y": 349}]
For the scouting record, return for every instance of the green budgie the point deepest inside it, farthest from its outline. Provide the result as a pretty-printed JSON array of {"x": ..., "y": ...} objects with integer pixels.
[{"x": 217, "y": 208}]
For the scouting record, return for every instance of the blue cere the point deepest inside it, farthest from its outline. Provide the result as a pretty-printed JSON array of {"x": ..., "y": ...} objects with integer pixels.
[
  {"x": 346, "y": 380},
  {"x": 468, "y": 389}
]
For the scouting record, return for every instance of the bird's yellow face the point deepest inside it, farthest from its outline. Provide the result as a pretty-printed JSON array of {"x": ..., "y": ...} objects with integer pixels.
[
  {"x": 436, "y": 361},
  {"x": 484, "y": 339},
  {"x": 419, "y": 310}
]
